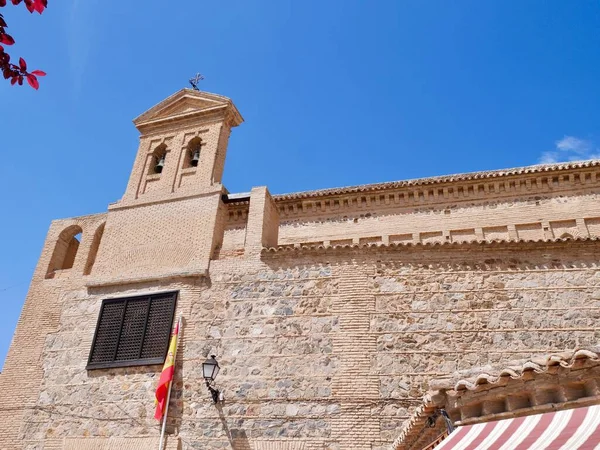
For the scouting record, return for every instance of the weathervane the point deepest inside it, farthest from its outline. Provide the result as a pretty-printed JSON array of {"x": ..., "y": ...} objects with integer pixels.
[{"x": 194, "y": 81}]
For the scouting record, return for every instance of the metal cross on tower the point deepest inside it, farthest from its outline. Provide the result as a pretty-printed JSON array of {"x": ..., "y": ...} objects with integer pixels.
[{"x": 197, "y": 79}]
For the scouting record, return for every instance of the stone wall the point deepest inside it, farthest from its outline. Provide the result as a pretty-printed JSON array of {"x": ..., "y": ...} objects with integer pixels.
[{"x": 321, "y": 349}]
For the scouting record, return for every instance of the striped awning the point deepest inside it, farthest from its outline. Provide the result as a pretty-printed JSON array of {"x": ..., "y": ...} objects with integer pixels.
[{"x": 569, "y": 429}]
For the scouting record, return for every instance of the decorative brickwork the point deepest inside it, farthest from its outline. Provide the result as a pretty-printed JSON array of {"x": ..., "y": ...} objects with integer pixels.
[{"x": 329, "y": 311}]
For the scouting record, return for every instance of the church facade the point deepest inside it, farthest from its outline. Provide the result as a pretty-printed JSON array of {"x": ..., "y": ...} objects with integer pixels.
[{"x": 330, "y": 312}]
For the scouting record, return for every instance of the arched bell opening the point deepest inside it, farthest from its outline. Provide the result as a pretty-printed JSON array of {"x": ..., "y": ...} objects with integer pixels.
[
  {"x": 65, "y": 250},
  {"x": 192, "y": 153},
  {"x": 158, "y": 160}
]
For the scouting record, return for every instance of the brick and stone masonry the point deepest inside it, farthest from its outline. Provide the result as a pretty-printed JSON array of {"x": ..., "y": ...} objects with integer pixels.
[{"x": 329, "y": 311}]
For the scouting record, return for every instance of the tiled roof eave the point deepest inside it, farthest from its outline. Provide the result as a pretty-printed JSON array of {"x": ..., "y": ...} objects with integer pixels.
[
  {"x": 412, "y": 427},
  {"x": 472, "y": 176},
  {"x": 486, "y": 376},
  {"x": 515, "y": 371}
]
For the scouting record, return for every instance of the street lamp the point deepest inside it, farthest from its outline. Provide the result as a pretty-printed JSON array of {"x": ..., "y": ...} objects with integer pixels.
[{"x": 210, "y": 370}]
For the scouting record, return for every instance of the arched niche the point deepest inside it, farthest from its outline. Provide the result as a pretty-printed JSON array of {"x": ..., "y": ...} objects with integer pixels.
[
  {"x": 158, "y": 160},
  {"x": 91, "y": 258},
  {"x": 65, "y": 250},
  {"x": 192, "y": 153}
]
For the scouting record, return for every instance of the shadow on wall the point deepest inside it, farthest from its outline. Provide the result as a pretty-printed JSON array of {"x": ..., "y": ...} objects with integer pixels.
[{"x": 237, "y": 438}]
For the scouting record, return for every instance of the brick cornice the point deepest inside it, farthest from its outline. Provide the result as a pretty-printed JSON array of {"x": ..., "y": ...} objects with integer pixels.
[
  {"x": 217, "y": 188},
  {"x": 497, "y": 243},
  {"x": 153, "y": 116},
  {"x": 126, "y": 280},
  {"x": 524, "y": 183}
]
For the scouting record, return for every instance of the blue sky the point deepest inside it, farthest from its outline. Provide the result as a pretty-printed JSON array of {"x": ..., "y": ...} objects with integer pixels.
[{"x": 333, "y": 93}]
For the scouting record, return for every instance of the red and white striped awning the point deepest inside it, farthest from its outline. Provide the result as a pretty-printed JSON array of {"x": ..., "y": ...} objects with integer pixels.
[{"x": 570, "y": 429}]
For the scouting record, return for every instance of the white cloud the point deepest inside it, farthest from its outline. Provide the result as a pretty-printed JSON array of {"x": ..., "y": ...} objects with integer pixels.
[
  {"x": 548, "y": 158},
  {"x": 570, "y": 148},
  {"x": 572, "y": 143}
]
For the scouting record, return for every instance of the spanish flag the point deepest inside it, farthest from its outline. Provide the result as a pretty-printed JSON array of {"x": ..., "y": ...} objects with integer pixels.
[{"x": 164, "y": 384}]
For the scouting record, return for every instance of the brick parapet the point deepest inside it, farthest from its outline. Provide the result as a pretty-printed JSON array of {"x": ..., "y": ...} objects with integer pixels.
[
  {"x": 263, "y": 221},
  {"x": 453, "y": 191},
  {"x": 355, "y": 216}
]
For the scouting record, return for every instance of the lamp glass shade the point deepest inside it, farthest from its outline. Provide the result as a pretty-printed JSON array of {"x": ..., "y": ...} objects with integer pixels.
[{"x": 210, "y": 368}]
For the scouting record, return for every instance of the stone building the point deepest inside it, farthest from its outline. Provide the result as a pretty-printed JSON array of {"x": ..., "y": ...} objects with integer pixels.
[{"x": 330, "y": 312}]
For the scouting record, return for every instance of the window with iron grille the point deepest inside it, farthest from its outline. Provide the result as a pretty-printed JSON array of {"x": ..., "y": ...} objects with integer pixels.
[{"x": 133, "y": 331}]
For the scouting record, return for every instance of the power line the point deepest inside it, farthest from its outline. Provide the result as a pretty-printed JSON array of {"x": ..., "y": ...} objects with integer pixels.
[{"x": 13, "y": 286}]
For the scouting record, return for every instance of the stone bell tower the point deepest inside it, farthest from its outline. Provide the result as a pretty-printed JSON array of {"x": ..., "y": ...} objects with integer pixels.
[{"x": 166, "y": 223}]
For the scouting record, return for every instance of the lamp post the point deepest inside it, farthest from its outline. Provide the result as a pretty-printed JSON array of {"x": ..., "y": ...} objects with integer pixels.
[
  {"x": 432, "y": 419},
  {"x": 210, "y": 370}
]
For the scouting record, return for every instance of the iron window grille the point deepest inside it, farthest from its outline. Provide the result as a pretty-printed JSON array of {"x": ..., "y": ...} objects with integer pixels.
[{"x": 133, "y": 331}]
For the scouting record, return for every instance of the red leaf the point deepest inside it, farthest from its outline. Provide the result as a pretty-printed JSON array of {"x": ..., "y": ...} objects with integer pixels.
[
  {"x": 30, "y": 6},
  {"x": 13, "y": 80},
  {"x": 22, "y": 64},
  {"x": 2, "y": 21},
  {"x": 20, "y": 80},
  {"x": 6, "y": 39},
  {"x": 39, "y": 5},
  {"x": 33, "y": 82},
  {"x": 39, "y": 73},
  {"x": 2, "y": 2},
  {"x": 16, "y": 2}
]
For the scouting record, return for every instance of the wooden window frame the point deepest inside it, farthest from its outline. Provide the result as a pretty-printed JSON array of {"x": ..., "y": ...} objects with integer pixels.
[{"x": 133, "y": 362}]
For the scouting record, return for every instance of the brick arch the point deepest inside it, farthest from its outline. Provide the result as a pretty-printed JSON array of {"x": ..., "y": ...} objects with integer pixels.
[
  {"x": 160, "y": 151},
  {"x": 91, "y": 257},
  {"x": 65, "y": 250},
  {"x": 194, "y": 144}
]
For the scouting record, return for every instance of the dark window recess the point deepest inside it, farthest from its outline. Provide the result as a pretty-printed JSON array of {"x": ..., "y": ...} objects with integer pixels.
[{"x": 133, "y": 331}]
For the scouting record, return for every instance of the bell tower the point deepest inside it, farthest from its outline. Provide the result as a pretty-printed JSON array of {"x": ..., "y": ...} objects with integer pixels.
[
  {"x": 182, "y": 147},
  {"x": 169, "y": 222}
]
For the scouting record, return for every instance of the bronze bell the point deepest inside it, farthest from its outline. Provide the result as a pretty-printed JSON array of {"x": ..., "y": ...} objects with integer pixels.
[
  {"x": 195, "y": 158},
  {"x": 160, "y": 164}
]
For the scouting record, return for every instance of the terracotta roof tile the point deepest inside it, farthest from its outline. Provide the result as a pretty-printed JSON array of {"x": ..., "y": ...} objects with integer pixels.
[
  {"x": 414, "y": 425},
  {"x": 472, "y": 379},
  {"x": 427, "y": 181},
  {"x": 439, "y": 179}
]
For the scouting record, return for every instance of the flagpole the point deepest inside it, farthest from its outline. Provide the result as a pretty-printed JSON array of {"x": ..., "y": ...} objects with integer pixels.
[{"x": 164, "y": 425}]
